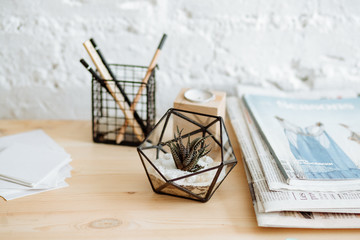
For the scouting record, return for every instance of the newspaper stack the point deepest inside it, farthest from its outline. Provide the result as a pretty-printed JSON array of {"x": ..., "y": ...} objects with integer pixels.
[
  {"x": 31, "y": 162},
  {"x": 292, "y": 190}
]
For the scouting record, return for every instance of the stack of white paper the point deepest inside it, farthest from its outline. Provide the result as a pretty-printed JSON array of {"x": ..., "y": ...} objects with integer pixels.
[{"x": 30, "y": 163}]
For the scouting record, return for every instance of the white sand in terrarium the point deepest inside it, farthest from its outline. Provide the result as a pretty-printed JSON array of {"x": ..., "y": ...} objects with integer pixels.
[{"x": 167, "y": 167}]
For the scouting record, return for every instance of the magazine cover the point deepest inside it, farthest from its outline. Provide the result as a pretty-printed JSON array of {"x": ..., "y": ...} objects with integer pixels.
[{"x": 310, "y": 139}]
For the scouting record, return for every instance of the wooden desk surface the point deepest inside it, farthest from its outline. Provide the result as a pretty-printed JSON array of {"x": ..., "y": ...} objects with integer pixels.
[{"x": 109, "y": 197}]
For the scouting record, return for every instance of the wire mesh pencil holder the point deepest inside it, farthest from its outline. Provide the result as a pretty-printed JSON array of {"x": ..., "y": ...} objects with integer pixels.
[{"x": 110, "y": 109}]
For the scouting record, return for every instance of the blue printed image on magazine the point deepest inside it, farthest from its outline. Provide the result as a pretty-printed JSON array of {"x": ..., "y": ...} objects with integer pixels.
[{"x": 310, "y": 139}]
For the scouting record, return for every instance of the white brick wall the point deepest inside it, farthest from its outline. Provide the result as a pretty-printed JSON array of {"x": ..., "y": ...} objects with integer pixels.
[{"x": 211, "y": 44}]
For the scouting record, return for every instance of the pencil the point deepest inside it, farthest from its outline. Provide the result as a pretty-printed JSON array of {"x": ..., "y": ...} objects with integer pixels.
[
  {"x": 119, "y": 98},
  {"x": 149, "y": 71},
  {"x": 143, "y": 85},
  {"x": 94, "y": 74},
  {"x": 136, "y": 115}
]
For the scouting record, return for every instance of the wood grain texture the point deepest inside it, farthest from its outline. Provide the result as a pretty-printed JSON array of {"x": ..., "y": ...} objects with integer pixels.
[{"x": 109, "y": 197}]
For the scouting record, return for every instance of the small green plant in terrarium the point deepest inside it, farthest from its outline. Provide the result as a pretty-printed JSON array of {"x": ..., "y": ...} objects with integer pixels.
[{"x": 186, "y": 156}]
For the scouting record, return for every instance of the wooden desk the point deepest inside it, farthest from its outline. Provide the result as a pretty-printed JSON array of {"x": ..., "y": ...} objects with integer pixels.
[{"x": 109, "y": 197}]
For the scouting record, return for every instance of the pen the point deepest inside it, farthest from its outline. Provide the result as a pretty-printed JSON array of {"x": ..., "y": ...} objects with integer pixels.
[
  {"x": 136, "y": 115},
  {"x": 94, "y": 74},
  {"x": 118, "y": 97}
]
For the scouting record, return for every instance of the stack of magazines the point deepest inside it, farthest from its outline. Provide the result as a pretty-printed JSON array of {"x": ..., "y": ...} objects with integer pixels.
[{"x": 302, "y": 158}]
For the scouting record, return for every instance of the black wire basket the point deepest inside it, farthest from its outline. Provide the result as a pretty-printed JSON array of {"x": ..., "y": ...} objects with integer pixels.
[{"x": 110, "y": 123}]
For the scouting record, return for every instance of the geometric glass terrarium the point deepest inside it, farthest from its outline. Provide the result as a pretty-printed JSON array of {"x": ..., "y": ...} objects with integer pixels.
[{"x": 200, "y": 182}]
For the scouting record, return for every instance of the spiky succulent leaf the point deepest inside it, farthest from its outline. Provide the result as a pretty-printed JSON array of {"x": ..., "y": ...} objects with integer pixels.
[
  {"x": 182, "y": 147},
  {"x": 188, "y": 147},
  {"x": 188, "y": 160},
  {"x": 187, "y": 156},
  {"x": 198, "y": 143},
  {"x": 193, "y": 142},
  {"x": 176, "y": 156},
  {"x": 196, "y": 168},
  {"x": 192, "y": 163},
  {"x": 205, "y": 153}
]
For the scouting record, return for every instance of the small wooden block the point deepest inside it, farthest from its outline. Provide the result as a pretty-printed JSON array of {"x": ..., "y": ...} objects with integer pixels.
[{"x": 216, "y": 107}]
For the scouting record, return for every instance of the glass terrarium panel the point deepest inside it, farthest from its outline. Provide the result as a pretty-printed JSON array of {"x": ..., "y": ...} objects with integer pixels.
[
  {"x": 224, "y": 172},
  {"x": 183, "y": 124},
  {"x": 156, "y": 179},
  {"x": 198, "y": 183},
  {"x": 191, "y": 121},
  {"x": 228, "y": 154},
  {"x": 156, "y": 134},
  {"x": 214, "y": 130},
  {"x": 153, "y": 152},
  {"x": 198, "y": 190},
  {"x": 174, "y": 190},
  {"x": 215, "y": 153},
  {"x": 228, "y": 151}
]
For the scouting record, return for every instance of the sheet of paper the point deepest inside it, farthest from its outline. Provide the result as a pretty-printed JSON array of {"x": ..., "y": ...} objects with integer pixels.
[
  {"x": 55, "y": 179},
  {"x": 16, "y": 193},
  {"x": 31, "y": 138},
  {"x": 29, "y": 165},
  {"x": 50, "y": 182}
]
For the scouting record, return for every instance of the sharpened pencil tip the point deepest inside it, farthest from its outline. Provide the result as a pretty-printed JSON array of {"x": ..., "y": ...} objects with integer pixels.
[
  {"x": 84, "y": 63},
  {"x": 92, "y": 42},
  {"x": 162, "y": 41}
]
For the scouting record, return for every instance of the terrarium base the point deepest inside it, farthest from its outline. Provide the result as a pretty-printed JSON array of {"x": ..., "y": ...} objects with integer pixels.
[{"x": 200, "y": 191}]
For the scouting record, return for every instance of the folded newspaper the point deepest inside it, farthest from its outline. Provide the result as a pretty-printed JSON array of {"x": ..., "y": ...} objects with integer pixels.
[
  {"x": 279, "y": 204},
  {"x": 313, "y": 141}
]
